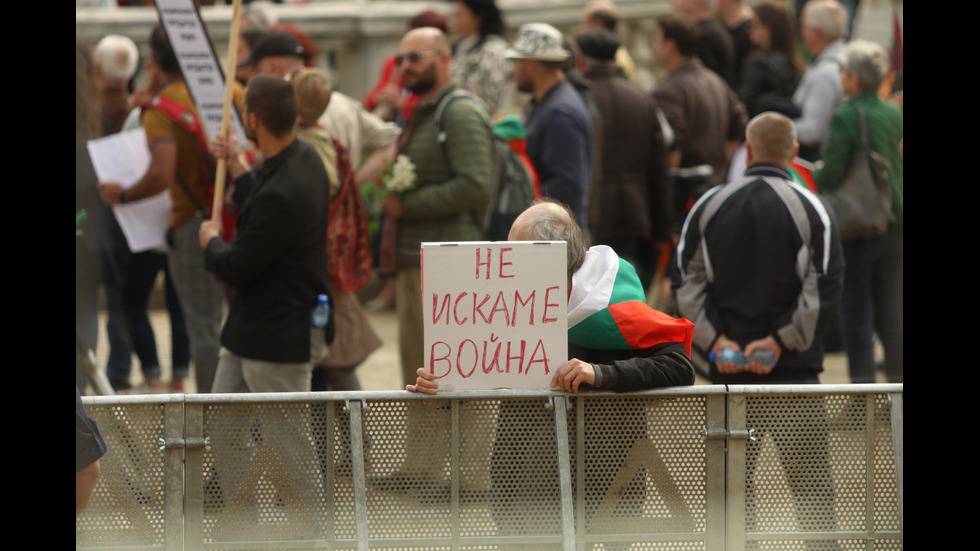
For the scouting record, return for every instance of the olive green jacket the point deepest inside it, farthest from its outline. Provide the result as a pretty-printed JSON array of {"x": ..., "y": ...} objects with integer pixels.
[{"x": 454, "y": 178}]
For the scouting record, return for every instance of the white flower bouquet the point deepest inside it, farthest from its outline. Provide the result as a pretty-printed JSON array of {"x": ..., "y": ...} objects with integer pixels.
[{"x": 400, "y": 176}]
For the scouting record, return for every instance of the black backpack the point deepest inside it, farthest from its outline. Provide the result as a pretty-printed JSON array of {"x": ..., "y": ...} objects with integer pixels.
[{"x": 514, "y": 187}]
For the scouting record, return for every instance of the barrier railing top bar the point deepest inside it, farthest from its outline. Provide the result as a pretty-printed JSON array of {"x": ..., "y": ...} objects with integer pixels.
[
  {"x": 136, "y": 399},
  {"x": 883, "y": 388},
  {"x": 401, "y": 395}
]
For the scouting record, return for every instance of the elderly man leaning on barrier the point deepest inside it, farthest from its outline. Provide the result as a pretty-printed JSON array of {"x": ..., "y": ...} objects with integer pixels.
[
  {"x": 616, "y": 342},
  {"x": 623, "y": 345}
]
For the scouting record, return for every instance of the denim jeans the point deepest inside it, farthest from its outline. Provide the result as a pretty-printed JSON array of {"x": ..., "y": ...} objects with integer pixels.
[
  {"x": 129, "y": 325},
  {"x": 117, "y": 330},
  {"x": 873, "y": 302},
  {"x": 143, "y": 270}
]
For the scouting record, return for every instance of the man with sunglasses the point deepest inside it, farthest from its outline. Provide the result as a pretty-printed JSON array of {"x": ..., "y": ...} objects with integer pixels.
[{"x": 454, "y": 174}]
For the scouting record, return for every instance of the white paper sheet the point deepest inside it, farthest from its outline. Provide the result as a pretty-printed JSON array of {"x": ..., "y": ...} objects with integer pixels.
[{"x": 124, "y": 158}]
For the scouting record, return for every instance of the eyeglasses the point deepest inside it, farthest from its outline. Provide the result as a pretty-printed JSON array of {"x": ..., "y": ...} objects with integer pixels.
[{"x": 413, "y": 57}]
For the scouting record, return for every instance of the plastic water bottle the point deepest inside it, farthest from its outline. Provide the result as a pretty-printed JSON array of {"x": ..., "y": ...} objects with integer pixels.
[
  {"x": 765, "y": 357},
  {"x": 321, "y": 312}
]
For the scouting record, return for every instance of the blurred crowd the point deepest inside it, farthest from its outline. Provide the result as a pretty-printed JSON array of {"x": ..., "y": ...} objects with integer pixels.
[{"x": 460, "y": 93}]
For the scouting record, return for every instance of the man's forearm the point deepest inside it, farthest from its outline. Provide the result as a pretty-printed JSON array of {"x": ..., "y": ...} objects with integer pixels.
[
  {"x": 161, "y": 173},
  {"x": 148, "y": 186},
  {"x": 375, "y": 164}
]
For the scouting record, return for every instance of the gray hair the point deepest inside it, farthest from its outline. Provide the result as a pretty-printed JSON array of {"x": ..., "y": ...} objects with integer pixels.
[
  {"x": 557, "y": 224},
  {"x": 868, "y": 62},
  {"x": 827, "y": 16},
  {"x": 260, "y": 15},
  {"x": 116, "y": 57}
]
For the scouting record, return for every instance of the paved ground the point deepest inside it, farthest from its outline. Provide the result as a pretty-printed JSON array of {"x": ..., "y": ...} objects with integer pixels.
[{"x": 380, "y": 371}]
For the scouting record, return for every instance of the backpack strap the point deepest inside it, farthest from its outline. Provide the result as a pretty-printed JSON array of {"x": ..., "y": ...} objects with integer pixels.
[
  {"x": 189, "y": 121},
  {"x": 441, "y": 128},
  {"x": 444, "y": 105}
]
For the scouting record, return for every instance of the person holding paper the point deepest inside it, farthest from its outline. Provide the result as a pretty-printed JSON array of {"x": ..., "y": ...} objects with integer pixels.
[{"x": 178, "y": 164}]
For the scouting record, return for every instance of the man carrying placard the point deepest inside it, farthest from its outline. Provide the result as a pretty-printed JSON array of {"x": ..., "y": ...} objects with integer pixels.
[{"x": 277, "y": 263}]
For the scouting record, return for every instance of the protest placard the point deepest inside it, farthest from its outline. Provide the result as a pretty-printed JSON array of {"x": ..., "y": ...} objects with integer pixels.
[
  {"x": 198, "y": 64},
  {"x": 494, "y": 313}
]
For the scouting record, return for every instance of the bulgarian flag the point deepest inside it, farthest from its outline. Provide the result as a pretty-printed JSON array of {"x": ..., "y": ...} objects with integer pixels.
[
  {"x": 607, "y": 309},
  {"x": 802, "y": 172}
]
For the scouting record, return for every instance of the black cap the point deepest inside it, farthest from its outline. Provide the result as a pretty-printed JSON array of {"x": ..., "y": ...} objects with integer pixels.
[
  {"x": 599, "y": 44},
  {"x": 275, "y": 43}
]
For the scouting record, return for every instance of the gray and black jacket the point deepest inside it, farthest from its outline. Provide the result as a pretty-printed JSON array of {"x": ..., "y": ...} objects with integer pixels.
[{"x": 761, "y": 256}]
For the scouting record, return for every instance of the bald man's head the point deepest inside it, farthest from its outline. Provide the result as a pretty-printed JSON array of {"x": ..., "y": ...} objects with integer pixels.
[
  {"x": 427, "y": 38},
  {"x": 551, "y": 221},
  {"x": 423, "y": 58}
]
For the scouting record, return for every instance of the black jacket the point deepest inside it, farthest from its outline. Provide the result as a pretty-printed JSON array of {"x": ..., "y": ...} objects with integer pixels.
[
  {"x": 662, "y": 365},
  {"x": 277, "y": 264},
  {"x": 761, "y": 256},
  {"x": 632, "y": 197}
]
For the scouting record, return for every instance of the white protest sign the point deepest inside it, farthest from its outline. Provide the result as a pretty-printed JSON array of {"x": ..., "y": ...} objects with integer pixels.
[
  {"x": 202, "y": 72},
  {"x": 494, "y": 313}
]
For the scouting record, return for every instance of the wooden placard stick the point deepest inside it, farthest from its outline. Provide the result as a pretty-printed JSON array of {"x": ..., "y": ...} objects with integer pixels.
[{"x": 232, "y": 63}]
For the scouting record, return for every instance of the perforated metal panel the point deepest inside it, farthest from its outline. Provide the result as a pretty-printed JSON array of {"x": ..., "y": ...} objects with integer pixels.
[
  {"x": 408, "y": 469},
  {"x": 492, "y": 470},
  {"x": 820, "y": 465},
  {"x": 494, "y": 475},
  {"x": 524, "y": 469},
  {"x": 644, "y": 468},
  {"x": 127, "y": 506},
  {"x": 263, "y": 475}
]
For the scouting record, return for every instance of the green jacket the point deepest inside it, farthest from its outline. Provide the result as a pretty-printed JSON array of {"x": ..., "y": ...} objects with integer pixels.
[
  {"x": 454, "y": 178},
  {"x": 885, "y": 132}
]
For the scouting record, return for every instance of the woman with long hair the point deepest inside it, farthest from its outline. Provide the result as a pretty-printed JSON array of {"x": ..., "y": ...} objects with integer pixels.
[{"x": 774, "y": 69}]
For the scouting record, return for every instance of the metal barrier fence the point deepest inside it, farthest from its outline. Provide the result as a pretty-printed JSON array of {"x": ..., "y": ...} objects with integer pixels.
[{"x": 696, "y": 468}]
